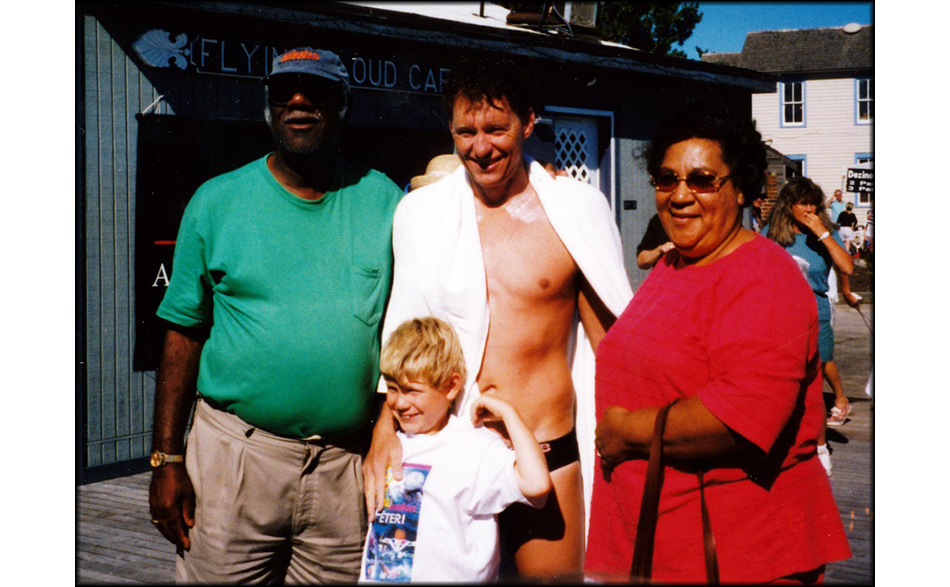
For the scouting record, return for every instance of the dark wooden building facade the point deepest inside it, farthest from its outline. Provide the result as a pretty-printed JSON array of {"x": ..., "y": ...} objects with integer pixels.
[{"x": 169, "y": 95}]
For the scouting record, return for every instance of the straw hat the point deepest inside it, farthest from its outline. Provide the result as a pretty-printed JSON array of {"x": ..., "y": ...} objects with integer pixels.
[{"x": 439, "y": 167}]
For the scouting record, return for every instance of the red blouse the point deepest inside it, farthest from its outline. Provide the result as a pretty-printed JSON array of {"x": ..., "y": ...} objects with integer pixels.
[{"x": 742, "y": 334}]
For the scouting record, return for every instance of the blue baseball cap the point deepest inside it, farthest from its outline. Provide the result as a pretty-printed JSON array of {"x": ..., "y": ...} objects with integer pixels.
[{"x": 309, "y": 61}]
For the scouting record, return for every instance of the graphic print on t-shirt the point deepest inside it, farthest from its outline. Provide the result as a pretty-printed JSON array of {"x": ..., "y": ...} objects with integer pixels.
[{"x": 391, "y": 546}]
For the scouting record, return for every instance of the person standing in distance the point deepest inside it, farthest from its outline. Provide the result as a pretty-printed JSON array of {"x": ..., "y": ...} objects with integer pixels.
[{"x": 836, "y": 205}]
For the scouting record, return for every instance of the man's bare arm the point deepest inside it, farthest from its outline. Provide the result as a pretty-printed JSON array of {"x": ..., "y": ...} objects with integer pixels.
[
  {"x": 171, "y": 495},
  {"x": 595, "y": 316},
  {"x": 647, "y": 258}
]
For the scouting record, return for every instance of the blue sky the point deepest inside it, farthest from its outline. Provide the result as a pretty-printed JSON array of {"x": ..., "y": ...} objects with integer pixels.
[{"x": 725, "y": 24}]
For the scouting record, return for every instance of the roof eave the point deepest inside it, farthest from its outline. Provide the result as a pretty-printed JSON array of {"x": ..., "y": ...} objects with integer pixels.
[{"x": 344, "y": 17}]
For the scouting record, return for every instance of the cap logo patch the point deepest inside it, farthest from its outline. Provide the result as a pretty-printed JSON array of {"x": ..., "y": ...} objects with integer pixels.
[{"x": 295, "y": 55}]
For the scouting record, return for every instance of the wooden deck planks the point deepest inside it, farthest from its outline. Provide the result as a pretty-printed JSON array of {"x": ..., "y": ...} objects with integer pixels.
[
  {"x": 852, "y": 450},
  {"x": 116, "y": 543}
]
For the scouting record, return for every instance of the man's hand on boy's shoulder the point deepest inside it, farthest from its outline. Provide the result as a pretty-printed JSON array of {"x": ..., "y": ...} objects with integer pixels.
[{"x": 385, "y": 451}]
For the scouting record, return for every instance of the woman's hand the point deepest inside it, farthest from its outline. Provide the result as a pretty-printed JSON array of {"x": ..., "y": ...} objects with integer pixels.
[
  {"x": 610, "y": 439},
  {"x": 809, "y": 220},
  {"x": 852, "y": 300},
  {"x": 692, "y": 432}
]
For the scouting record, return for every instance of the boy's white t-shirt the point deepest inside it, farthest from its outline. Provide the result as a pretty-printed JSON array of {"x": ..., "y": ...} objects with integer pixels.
[{"x": 440, "y": 522}]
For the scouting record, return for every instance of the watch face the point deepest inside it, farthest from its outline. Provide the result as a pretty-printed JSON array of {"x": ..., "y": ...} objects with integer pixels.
[{"x": 157, "y": 459}]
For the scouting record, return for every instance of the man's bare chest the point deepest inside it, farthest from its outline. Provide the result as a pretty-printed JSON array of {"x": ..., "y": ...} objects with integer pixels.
[{"x": 524, "y": 257}]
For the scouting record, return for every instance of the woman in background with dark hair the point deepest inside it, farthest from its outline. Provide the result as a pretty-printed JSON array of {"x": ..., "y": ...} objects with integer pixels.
[{"x": 710, "y": 332}]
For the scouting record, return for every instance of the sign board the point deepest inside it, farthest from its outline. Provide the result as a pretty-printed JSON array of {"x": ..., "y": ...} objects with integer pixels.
[
  {"x": 243, "y": 58},
  {"x": 859, "y": 180}
]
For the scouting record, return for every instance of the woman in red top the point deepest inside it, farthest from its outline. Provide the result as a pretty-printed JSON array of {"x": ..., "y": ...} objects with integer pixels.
[{"x": 727, "y": 325}]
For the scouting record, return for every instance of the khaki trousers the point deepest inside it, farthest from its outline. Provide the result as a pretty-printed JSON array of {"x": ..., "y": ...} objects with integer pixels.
[{"x": 271, "y": 509}]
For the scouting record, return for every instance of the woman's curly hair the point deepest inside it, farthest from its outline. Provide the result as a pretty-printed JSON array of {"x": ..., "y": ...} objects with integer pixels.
[{"x": 742, "y": 147}]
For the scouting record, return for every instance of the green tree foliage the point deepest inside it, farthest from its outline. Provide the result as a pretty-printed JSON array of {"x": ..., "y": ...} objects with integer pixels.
[{"x": 651, "y": 26}]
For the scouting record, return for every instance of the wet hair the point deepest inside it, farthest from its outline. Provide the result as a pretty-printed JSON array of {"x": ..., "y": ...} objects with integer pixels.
[
  {"x": 489, "y": 78},
  {"x": 742, "y": 148},
  {"x": 798, "y": 190},
  {"x": 425, "y": 350}
]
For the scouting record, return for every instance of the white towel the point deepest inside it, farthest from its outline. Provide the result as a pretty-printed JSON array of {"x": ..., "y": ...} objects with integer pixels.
[{"x": 439, "y": 271}]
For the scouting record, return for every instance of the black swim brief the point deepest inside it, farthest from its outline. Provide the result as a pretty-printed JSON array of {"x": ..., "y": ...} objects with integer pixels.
[{"x": 562, "y": 451}]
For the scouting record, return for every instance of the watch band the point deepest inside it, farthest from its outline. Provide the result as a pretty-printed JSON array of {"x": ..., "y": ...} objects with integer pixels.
[
  {"x": 160, "y": 459},
  {"x": 824, "y": 235}
]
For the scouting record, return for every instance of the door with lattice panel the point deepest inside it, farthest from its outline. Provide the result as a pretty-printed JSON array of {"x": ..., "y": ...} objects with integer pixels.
[{"x": 575, "y": 148}]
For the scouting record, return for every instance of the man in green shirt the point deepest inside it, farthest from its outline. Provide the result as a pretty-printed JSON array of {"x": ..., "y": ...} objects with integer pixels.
[{"x": 280, "y": 276}]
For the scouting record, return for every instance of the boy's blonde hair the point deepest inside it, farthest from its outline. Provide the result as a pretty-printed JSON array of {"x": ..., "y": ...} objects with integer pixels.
[{"x": 425, "y": 350}]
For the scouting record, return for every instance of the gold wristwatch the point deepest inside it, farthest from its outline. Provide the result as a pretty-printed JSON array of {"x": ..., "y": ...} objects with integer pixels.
[{"x": 160, "y": 459}]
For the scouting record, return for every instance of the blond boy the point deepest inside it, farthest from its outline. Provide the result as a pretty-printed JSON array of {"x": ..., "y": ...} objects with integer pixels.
[{"x": 440, "y": 521}]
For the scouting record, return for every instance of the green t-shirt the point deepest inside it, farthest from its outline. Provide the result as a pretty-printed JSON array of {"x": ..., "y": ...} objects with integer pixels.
[{"x": 293, "y": 291}]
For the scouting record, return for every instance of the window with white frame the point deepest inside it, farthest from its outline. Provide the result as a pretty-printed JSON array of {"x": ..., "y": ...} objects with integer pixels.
[
  {"x": 864, "y": 95},
  {"x": 793, "y": 103}
]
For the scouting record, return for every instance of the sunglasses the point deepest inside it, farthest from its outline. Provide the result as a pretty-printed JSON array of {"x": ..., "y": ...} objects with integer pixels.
[
  {"x": 320, "y": 94},
  {"x": 698, "y": 183}
]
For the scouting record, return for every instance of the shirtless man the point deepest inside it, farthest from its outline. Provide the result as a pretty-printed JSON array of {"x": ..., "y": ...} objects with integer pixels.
[{"x": 534, "y": 286}]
